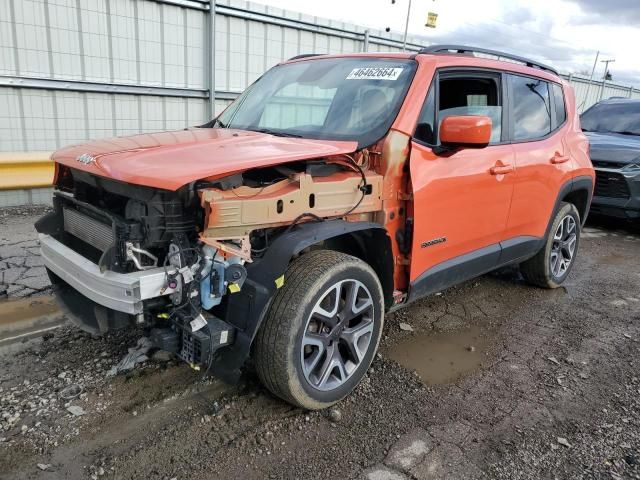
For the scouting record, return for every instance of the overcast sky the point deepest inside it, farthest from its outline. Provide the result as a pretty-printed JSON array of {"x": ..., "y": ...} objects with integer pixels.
[{"x": 563, "y": 33}]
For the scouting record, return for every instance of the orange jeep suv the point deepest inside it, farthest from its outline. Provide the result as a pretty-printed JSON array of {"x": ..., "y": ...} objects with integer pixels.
[{"x": 335, "y": 189}]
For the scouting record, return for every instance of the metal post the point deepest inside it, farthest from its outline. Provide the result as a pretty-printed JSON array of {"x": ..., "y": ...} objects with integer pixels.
[
  {"x": 365, "y": 46},
  {"x": 604, "y": 77},
  {"x": 211, "y": 60},
  {"x": 586, "y": 95},
  {"x": 406, "y": 28}
]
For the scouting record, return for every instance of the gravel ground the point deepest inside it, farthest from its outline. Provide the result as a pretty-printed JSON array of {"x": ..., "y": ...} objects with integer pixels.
[{"x": 554, "y": 392}]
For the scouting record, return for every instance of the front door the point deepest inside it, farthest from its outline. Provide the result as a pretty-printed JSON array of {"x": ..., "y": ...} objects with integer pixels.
[{"x": 461, "y": 199}]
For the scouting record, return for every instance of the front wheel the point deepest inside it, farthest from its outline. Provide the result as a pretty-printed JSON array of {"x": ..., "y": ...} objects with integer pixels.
[
  {"x": 551, "y": 265},
  {"x": 322, "y": 329}
]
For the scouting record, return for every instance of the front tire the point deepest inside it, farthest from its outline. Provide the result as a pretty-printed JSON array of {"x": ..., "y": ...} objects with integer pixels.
[
  {"x": 550, "y": 267},
  {"x": 322, "y": 330}
]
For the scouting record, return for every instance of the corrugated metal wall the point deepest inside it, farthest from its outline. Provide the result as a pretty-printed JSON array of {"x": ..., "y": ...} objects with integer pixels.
[
  {"x": 589, "y": 93},
  {"x": 72, "y": 70}
]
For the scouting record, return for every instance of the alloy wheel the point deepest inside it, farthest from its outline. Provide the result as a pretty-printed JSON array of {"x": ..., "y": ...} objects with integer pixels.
[
  {"x": 337, "y": 334},
  {"x": 564, "y": 246}
]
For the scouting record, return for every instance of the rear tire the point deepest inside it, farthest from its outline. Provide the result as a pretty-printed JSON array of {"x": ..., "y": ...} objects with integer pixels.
[
  {"x": 553, "y": 263},
  {"x": 322, "y": 330}
]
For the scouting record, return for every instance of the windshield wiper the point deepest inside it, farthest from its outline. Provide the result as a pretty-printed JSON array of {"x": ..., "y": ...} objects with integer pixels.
[
  {"x": 627, "y": 132},
  {"x": 277, "y": 133}
]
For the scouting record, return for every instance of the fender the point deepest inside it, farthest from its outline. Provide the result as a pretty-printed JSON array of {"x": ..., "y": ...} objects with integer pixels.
[
  {"x": 576, "y": 184},
  {"x": 246, "y": 309},
  {"x": 584, "y": 183}
]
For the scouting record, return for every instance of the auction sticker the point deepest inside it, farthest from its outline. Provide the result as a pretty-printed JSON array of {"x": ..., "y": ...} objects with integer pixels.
[{"x": 375, "y": 73}]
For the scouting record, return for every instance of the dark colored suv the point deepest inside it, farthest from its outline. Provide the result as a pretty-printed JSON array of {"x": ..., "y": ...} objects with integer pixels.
[{"x": 613, "y": 129}]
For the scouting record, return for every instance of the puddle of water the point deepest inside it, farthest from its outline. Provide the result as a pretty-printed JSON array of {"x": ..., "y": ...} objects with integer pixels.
[
  {"x": 26, "y": 318},
  {"x": 24, "y": 309},
  {"x": 442, "y": 357}
]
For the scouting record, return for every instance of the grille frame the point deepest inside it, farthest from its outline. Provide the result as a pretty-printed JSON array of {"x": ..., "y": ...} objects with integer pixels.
[
  {"x": 611, "y": 185},
  {"x": 608, "y": 164}
]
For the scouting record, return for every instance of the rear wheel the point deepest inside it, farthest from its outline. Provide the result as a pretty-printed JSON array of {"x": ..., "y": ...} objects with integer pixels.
[
  {"x": 551, "y": 265},
  {"x": 322, "y": 330}
]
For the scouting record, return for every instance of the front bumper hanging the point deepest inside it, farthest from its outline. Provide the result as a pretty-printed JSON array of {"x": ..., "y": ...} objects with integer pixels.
[{"x": 122, "y": 292}]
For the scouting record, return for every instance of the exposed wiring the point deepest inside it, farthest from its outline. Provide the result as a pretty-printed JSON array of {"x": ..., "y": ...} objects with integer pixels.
[
  {"x": 233, "y": 190},
  {"x": 362, "y": 187},
  {"x": 364, "y": 192},
  {"x": 300, "y": 217}
]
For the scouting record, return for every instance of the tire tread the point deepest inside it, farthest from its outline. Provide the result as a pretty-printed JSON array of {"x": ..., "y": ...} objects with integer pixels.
[
  {"x": 534, "y": 270},
  {"x": 272, "y": 340}
]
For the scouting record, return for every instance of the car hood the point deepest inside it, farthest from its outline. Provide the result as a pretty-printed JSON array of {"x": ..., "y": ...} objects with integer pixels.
[
  {"x": 170, "y": 160},
  {"x": 613, "y": 147}
]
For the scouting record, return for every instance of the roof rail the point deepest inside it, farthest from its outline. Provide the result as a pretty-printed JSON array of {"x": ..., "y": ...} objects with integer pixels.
[
  {"x": 305, "y": 55},
  {"x": 464, "y": 50}
]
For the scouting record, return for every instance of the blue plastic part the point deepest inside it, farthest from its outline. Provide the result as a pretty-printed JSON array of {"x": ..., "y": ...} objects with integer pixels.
[{"x": 207, "y": 301}]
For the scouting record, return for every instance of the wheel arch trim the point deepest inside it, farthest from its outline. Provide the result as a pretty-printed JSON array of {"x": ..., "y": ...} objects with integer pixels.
[
  {"x": 246, "y": 309},
  {"x": 583, "y": 183}
]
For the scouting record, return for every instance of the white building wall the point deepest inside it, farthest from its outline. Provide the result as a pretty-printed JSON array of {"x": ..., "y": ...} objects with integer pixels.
[{"x": 159, "y": 45}]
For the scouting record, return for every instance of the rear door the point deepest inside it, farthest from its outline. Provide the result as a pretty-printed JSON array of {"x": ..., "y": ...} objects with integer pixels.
[
  {"x": 461, "y": 201},
  {"x": 539, "y": 126}
]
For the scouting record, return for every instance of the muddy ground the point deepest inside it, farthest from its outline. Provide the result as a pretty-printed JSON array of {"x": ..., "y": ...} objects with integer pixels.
[{"x": 514, "y": 382}]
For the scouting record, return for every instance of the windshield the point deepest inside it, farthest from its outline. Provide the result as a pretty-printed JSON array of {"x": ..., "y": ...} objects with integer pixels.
[
  {"x": 619, "y": 117},
  {"x": 335, "y": 98}
]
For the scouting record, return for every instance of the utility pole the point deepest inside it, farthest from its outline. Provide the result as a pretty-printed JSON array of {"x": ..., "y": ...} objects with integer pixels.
[
  {"x": 586, "y": 95},
  {"x": 365, "y": 43},
  {"x": 210, "y": 59},
  {"x": 406, "y": 27},
  {"x": 604, "y": 77}
]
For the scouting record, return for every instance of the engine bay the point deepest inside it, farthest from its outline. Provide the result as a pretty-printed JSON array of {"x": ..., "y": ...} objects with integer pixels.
[{"x": 202, "y": 237}]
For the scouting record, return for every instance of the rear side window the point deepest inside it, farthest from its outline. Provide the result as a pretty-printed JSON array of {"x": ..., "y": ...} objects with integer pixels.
[
  {"x": 558, "y": 100},
  {"x": 531, "y": 108}
]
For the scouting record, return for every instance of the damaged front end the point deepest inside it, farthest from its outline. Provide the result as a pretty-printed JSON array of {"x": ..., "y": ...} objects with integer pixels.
[{"x": 196, "y": 267}]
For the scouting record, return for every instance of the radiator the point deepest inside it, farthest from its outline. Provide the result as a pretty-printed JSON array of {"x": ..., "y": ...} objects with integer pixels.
[{"x": 87, "y": 229}]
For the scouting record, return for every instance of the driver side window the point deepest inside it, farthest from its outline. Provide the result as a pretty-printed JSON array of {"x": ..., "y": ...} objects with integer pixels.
[
  {"x": 460, "y": 95},
  {"x": 472, "y": 96}
]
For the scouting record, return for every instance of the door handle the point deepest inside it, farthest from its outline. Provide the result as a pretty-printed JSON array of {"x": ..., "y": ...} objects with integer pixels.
[
  {"x": 501, "y": 169},
  {"x": 557, "y": 158}
]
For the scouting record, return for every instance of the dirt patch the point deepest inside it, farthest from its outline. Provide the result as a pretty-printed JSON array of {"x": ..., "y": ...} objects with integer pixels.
[
  {"x": 13, "y": 311},
  {"x": 562, "y": 364}
]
